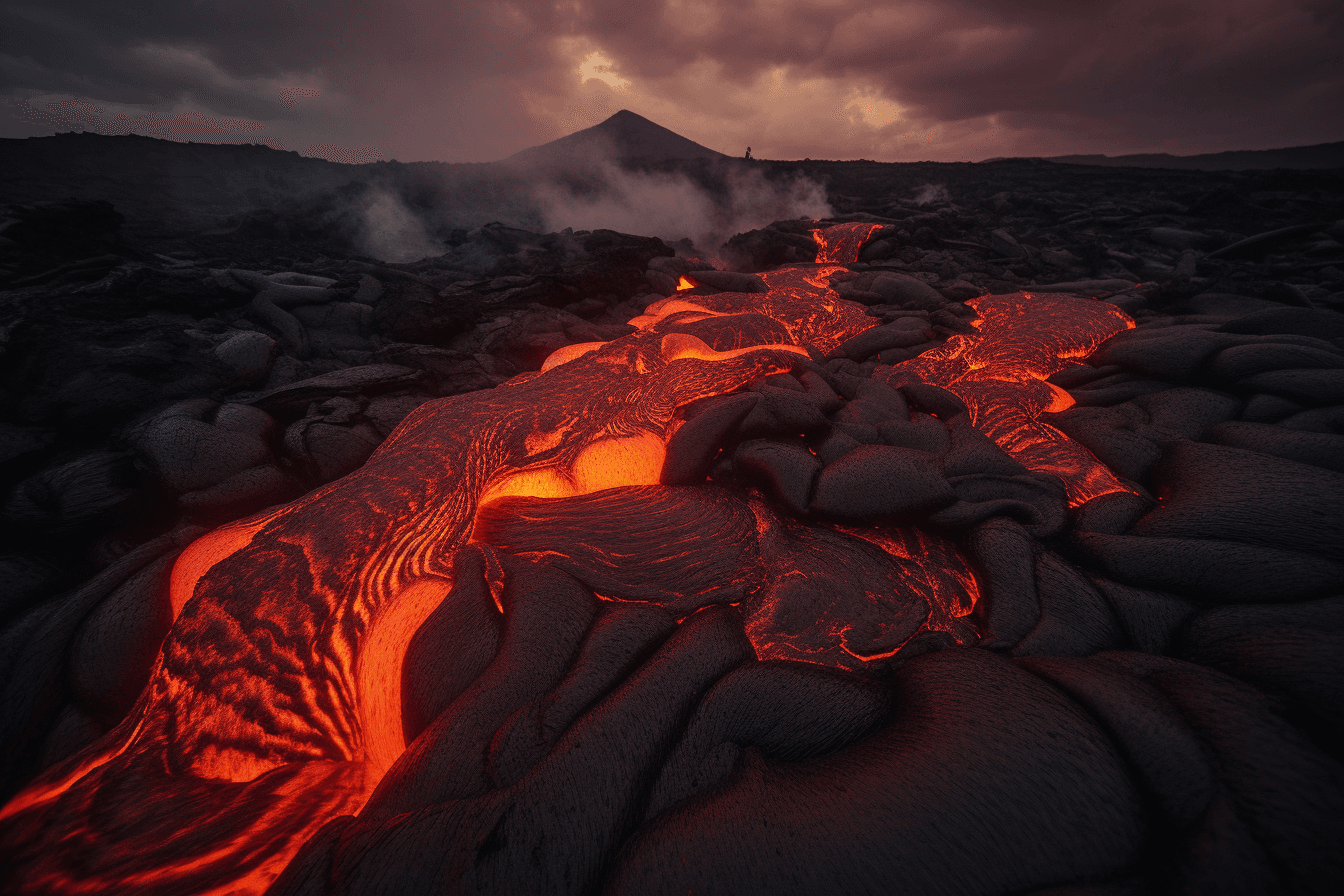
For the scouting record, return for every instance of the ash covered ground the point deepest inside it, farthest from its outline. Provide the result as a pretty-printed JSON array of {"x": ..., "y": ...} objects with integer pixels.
[{"x": 1151, "y": 701}]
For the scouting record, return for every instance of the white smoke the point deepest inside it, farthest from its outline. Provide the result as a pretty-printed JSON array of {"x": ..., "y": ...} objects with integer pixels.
[
  {"x": 390, "y": 231},
  {"x": 672, "y": 206},
  {"x": 930, "y": 194}
]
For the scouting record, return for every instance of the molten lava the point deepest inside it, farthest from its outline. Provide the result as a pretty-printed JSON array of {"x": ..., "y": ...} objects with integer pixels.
[
  {"x": 1001, "y": 372},
  {"x": 841, "y": 244},
  {"x": 275, "y": 704}
]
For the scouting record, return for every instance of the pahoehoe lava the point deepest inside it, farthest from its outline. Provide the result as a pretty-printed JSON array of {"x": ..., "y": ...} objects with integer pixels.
[{"x": 815, "y": 575}]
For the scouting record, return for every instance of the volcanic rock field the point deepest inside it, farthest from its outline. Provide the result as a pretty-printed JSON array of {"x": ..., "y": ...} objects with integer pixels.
[{"x": 985, "y": 537}]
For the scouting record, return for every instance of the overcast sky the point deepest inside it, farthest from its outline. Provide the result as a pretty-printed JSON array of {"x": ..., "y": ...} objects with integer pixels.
[{"x": 476, "y": 80}]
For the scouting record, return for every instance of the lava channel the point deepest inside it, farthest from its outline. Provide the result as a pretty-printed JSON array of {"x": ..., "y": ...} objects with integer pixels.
[{"x": 275, "y": 703}]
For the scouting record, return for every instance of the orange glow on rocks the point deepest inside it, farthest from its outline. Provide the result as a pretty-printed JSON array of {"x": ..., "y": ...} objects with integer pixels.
[
  {"x": 275, "y": 704},
  {"x": 842, "y": 243},
  {"x": 1000, "y": 374}
]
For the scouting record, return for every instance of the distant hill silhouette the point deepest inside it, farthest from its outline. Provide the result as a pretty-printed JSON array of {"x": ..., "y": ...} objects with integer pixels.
[
  {"x": 624, "y": 137},
  {"x": 148, "y": 178},
  {"x": 1322, "y": 155},
  {"x": 167, "y": 185}
]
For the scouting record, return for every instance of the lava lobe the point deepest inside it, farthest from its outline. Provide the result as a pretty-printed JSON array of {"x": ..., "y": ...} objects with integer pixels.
[{"x": 276, "y": 705}]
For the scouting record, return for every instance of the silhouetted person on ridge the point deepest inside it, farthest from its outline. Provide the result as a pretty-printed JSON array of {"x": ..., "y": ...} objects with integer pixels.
[{"x": 748, "y": 152}]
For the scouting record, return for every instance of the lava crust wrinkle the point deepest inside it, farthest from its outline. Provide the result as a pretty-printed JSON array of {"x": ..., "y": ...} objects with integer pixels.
[{"x": 276, "y": 704}]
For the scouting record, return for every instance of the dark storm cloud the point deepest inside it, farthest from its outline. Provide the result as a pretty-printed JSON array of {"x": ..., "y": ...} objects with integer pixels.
[
  {"x": 821, "y": 78},
  {"x": 374, "y": 70},
  {"x": 1120, "y": 76},
  {"x": 1236, "y": 71}
]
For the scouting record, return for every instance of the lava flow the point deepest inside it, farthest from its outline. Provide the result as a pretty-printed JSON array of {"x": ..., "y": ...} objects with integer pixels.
[
  {"x": 1000, "y": 374},
  {"x": 841, "y": 245},
  {"x": 275, "y": 704}
]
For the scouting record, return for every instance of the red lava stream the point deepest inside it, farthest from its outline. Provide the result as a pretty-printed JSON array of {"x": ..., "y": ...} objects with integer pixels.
[{"x": 275, "y": 702}]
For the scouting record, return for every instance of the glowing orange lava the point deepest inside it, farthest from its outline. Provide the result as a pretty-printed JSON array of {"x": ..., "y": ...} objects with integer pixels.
[
  {"x": 275, "y": 702},
  {"x": 841, "y": 244},
  {"x": 1000, "y": 374}
]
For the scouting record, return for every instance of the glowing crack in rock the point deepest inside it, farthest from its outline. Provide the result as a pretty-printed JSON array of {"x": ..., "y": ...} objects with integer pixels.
[{"x": 275, "y": 704}]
